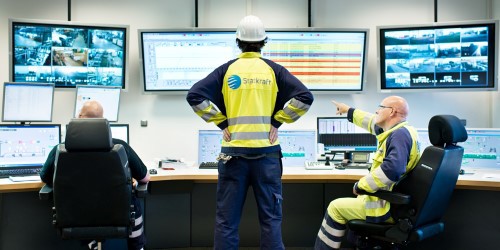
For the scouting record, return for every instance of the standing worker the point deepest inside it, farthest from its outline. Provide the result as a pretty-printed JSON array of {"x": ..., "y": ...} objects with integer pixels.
[{"x": 246, "y": 99}]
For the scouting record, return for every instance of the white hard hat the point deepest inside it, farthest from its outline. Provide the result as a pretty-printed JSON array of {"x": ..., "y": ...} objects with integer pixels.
[{"x": 251, "y": 29}]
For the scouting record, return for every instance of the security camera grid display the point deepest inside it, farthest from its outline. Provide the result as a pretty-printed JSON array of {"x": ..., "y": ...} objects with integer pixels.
[
  {"x": 68, "y": 55},
  {"x": 437, "y": 57}
]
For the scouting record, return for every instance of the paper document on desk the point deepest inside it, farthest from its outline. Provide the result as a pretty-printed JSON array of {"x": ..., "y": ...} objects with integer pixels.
[
  {"x": 24, "y": 178},
  {"x": 175, "y": 165}
]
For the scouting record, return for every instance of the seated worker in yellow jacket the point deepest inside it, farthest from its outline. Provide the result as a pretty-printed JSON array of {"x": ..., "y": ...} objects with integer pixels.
[{"x": 397, "y": 154}]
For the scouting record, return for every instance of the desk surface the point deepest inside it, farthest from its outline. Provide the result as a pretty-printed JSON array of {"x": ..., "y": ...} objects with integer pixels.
[{"x": 475, "y": 179}]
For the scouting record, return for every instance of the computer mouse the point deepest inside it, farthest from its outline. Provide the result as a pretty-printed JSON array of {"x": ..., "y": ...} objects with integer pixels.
[{"x": 153, "y": 171}]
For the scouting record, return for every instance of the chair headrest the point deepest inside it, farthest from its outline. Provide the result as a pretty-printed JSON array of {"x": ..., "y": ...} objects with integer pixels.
[
  {"x": 88, "y": 134},
  {"x": 445, "y": 129}
]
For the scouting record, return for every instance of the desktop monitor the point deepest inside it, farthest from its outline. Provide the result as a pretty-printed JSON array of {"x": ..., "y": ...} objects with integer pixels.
[
  {"x": 27, "y": 102},
  {"x": 337, "y": 134},
  {"x": 323, "y": 59},
  {"x": 297, "y": 146},
  {"x": 120, "y": 131},
  {"x": 67, "y": 53},
  {"x": 209, "y": 144},
  {"x": 439, "y": 56},
  {"x": 481, "y": 149},
  {"x": 27, "y": 146},
  {"x": 107, "y": 96}
]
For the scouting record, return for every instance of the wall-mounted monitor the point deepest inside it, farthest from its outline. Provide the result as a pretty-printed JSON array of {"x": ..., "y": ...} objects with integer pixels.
[
  {"x": 439, "y": 56},
  {"x": 107, "y": 96},
  {"x": 323, "y": 59},
  {"x": 27, "y": 102},
  {"x": 68, "y": 53}
]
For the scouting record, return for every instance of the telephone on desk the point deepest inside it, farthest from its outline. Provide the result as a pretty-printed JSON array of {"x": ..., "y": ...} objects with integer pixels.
[
  {"x": 354, "y": 160},
  {"x": 357, "y": 160}
]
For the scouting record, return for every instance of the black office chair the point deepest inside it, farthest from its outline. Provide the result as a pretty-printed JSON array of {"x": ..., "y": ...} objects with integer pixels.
[
  {"x": 419, "y": 200},
  {"x": 92, "y": 185}
]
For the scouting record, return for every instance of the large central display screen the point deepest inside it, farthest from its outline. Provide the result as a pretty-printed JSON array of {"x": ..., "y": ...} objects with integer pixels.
[
  {"x": 173, "y": 60},
  {"x": 439, "y": 56},
  {"x": 68, "y": 54},
  {"x": 322, "y": 60}
]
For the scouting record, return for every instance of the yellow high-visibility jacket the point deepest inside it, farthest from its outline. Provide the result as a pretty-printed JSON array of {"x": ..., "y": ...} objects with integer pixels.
[
  {"x": 248, "y": 95},
  {"x": 397, "y": 154}
]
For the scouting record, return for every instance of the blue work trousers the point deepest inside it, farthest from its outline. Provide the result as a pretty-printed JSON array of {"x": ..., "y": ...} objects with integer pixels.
[{"x": 235, "y": 176}]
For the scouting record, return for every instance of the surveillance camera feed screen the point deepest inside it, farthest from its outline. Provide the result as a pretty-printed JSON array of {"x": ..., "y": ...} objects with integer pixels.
[
  {"x": 438, "y": 57},
  {"x": 68, "y": 55}
]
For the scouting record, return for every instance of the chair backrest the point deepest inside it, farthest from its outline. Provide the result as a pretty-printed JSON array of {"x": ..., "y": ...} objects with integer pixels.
[
  {"x": 432, "y": 181},
  {"x": 92, "y": 183}
]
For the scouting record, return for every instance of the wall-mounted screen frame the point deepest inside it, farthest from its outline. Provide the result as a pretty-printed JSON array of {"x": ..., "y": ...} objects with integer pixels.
[
  {"x": 68, "y": 53},
  {"x": 323, "y": 59},
  {"x": 439, "y": 56}
]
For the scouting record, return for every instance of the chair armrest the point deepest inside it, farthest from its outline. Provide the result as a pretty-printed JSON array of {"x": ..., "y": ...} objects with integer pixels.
[
  {"x": 392, "y": 197},
  {"x": 45, "y": 192},
  {"x": 141, "y": 190}
]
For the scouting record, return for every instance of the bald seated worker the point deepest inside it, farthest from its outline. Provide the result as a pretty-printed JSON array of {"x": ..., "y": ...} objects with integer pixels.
[
  {"x": 93, "y": 109},
  {"x": 397, "y": 154}
]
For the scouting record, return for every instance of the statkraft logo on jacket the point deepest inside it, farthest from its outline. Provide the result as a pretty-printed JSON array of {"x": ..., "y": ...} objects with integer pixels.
[{"x": 235, "y": 81}]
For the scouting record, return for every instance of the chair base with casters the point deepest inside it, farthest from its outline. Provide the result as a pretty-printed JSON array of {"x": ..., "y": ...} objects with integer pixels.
[{"x": 419, "y": 200}]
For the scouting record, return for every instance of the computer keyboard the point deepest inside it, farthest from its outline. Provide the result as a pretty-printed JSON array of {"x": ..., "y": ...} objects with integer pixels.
[
  {"x": 318, "y": 165},
  {"x": 5, "y": 173},
  {"x": 209, "y": 165}
]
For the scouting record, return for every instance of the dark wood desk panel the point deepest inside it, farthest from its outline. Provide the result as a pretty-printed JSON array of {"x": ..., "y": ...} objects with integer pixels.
[{"x": 180, "y": 210}]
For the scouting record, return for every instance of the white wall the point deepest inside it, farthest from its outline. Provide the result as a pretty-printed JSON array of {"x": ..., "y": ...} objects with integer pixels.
[
  {"x": 172, "y": 129},
  {"x": 495, "y": 105}
]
